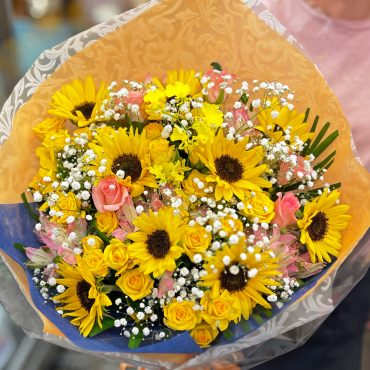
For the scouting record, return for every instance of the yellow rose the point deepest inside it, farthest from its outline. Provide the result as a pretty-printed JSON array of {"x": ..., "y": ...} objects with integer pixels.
[
  {"x": 196, "y": 240},
  {"x": 219, "y": 310},
  {"x": 135, "y": 284},
  {"x": 116, "y": 256},
  {"x": 106, "y": 221},
  {"x": 153, "y": 130},
  {"x": 48, "y": 125},
  {"x": 160, "y": 151},
  {"x": 91, "y": 242},
  {"x": 231, "y": 225},
  {"x": 261, "y": 206},
  {"x": 204, "y": 334},
  {"x": 180, "y": 315},
  {"x": 196, "y": 187},
  {"x": 93, "y": 259},
  {"x": 66, "y": 208}
]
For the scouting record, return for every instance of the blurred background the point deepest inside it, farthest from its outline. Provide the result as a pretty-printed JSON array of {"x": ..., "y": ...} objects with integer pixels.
[{"x": 28, "y": 27}]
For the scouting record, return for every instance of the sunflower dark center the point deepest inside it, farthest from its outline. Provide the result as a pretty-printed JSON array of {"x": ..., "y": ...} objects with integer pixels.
[
  {"x": 130, "y": 164},
  {"x": 85, "y": 108},
  {"x": 82, "y": 289},
  {"x": 233, "y": 282},
  {"x": 158, "y": 243},
  {"x": 228, "y": 168},
  {"x": 319, "y": 227}
]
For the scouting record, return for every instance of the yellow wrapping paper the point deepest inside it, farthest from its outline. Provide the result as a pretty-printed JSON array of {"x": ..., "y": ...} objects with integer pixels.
[{"x": 192, "y": 34}]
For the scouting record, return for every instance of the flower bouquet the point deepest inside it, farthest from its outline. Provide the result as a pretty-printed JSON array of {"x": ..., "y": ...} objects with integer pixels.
[{"x": 175, "y": 208}]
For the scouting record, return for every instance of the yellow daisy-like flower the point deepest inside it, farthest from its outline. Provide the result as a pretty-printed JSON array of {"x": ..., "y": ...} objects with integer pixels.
[
  {"x": 83, "y": 300},
  {"x": 182, "y": 85},
  {"x": 321, "y": 226},
  {"x": 48, "y": 125},
  {"x": 79, "y": 101},
  {"x": 275, "y": 119},
  {"x": 234, "y": 170},
  {"x": 127, "y": 154},
  {"x": 245, "y": 277},
  {"x": 156, "y": 244}
]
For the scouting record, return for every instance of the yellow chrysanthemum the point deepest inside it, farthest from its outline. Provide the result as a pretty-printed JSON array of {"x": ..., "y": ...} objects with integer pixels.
[
  {"x": 79, "y": 101},
  {"x": 181, "y": 85},
  {"x": 83, "y": 300},
  {"x": 128, "y": 155},
  {"x": 207, "y": 120},
  {"x": 48, "y": 125},
  {"x": 156, "y": 244},
  {"x": 246, "y": 277},
  {"x": 321, "y": 226},
  {"x": 170, "y": 172},
  {"x": 234, "y": 170},
  {"x": 275, "y": 119}
]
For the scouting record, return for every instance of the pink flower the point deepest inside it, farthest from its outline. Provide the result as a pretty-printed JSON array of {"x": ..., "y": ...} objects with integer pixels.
[
  {"x": 40, "y": 256},
  {"x": 295, "y": 170},
  {"x": 166, "y": 283},
  {"x": 155, "y": 202},
  {"x": 216, "y": 84},
  {"x": 285, "y": 207},
  {"x": 109, "y": 195}
]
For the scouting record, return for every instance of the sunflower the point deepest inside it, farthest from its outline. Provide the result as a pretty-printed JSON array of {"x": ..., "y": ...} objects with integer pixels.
[
  {"x": 321, "y": 226},
  {"x": 275, "y": 119},
  {"x": 244, "y": 275},
  {"x": 128, "y": 155},
  {"x": 156, "y": 244},
  {"x": 233, "y": 168},
  {"x": 79, "y": 102},
  {"x": 181, "y": 85},
  {"x": 83, "y": 300}
]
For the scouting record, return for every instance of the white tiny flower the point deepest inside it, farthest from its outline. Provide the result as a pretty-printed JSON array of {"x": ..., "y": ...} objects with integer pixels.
[
  {"x": 38, "y": 227},
  {"x": 234, "y": 270},
  {"x": 139, "y": 209},
  {"x": 146, "y": 332},
  {"x": 118, "y": 301},
  {"x": 70, "y": 219},
  {"x": 135, "y": 330},
  {"x": 140, "y": 315},
  {"x": 130, "y": 311},
  {"x": 61, "y": 289},
  {"x": 37, "y": 197},
  {"x": 272, "y": 298},
  {"x": 252, "y": 273},
  {"x": 226, "y": 260},
  {"x": 77, "y": 250},
  {"x": 197, "y": 258}
]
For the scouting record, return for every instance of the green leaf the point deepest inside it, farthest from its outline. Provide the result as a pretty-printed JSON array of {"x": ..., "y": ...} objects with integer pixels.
[
  {"x": 135, "y": 340},
  {"x": 324, "y": 164},
  {"x": 306, "y": 114},
  {"x": 107, "y": 323},
  {"x": 21, "y": 247},
  {"x": 228, "y": 334},
  {"x": 244, "y": 98},
  {"x": 29, "y": 209},
  {"x": 216, "y": 66},
  {"x": 319, "y": 137},
  {"x": 258, "y": 319},
  {"x": 220, "y": 97},
  {"x": 325, "y": 143},
  {"x": 313, "y": 129},
  {"x": 245, "y": 326}
]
